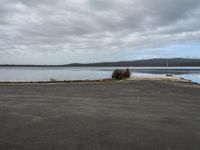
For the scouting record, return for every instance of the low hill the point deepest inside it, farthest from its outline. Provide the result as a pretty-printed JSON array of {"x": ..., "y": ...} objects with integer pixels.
[{"x": 147, "y": 63}]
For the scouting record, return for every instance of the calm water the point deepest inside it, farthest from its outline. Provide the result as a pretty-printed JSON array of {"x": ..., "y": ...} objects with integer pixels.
[{"x": 90, "y": 73}]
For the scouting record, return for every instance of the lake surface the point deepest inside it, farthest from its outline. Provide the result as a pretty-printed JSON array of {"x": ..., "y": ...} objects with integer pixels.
[{"x": 89, "y": 73}]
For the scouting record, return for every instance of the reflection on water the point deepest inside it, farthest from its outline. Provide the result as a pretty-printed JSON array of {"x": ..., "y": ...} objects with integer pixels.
[{"x": 91, "y": 73}]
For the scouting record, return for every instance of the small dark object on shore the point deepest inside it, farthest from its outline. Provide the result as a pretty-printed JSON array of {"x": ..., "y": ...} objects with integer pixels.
[
  {"x": 120, "y": 74},
  {"x": 169, "y": 75}
]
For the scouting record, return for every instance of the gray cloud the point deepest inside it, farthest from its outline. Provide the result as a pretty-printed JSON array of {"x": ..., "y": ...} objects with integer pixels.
[{"x": 86, "y": 27}]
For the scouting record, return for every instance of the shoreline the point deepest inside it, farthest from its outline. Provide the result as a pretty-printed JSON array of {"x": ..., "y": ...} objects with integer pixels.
[
  {"x": 59, "y": 81},
  {"x": 104, "y": 80},
  {"x": 159, "y": 77}
]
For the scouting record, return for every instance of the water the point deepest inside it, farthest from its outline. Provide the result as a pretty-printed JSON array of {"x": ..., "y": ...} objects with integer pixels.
[
  {"x": 89, "y": 73},
  {"x": 189, "y": 73}
]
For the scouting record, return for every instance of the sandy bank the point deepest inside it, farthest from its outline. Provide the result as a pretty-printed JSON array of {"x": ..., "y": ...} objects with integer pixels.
[{"x": 175, "y": 79}]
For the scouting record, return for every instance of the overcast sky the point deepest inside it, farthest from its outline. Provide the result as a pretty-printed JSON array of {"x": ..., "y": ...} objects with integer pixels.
[{"x": 67, "y": 31}]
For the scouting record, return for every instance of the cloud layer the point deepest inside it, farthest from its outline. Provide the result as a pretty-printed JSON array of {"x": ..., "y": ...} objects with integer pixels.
[{"x": 86, "y": 27}]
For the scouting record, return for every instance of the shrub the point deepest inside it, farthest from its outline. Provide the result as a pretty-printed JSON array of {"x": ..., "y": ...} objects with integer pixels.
[
  {"x": 127, "y": 73},
  {"x": 120, "y": 74}
]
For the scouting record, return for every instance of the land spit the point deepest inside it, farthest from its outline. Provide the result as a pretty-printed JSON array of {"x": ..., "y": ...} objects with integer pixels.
[{"x": 135, "y": 114}]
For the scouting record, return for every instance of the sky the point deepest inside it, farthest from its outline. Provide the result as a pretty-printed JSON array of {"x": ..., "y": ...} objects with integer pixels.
[{"x": 69, "y": 31}]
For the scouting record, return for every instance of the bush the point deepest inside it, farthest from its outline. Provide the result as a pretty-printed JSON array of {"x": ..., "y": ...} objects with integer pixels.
[
  {"x": 120, "y": 74},
  {"x": 127, "y": 73}
]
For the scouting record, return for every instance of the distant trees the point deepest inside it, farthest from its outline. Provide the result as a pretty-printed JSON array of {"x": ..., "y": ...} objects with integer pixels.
[{"x": 120, "y": 74}]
